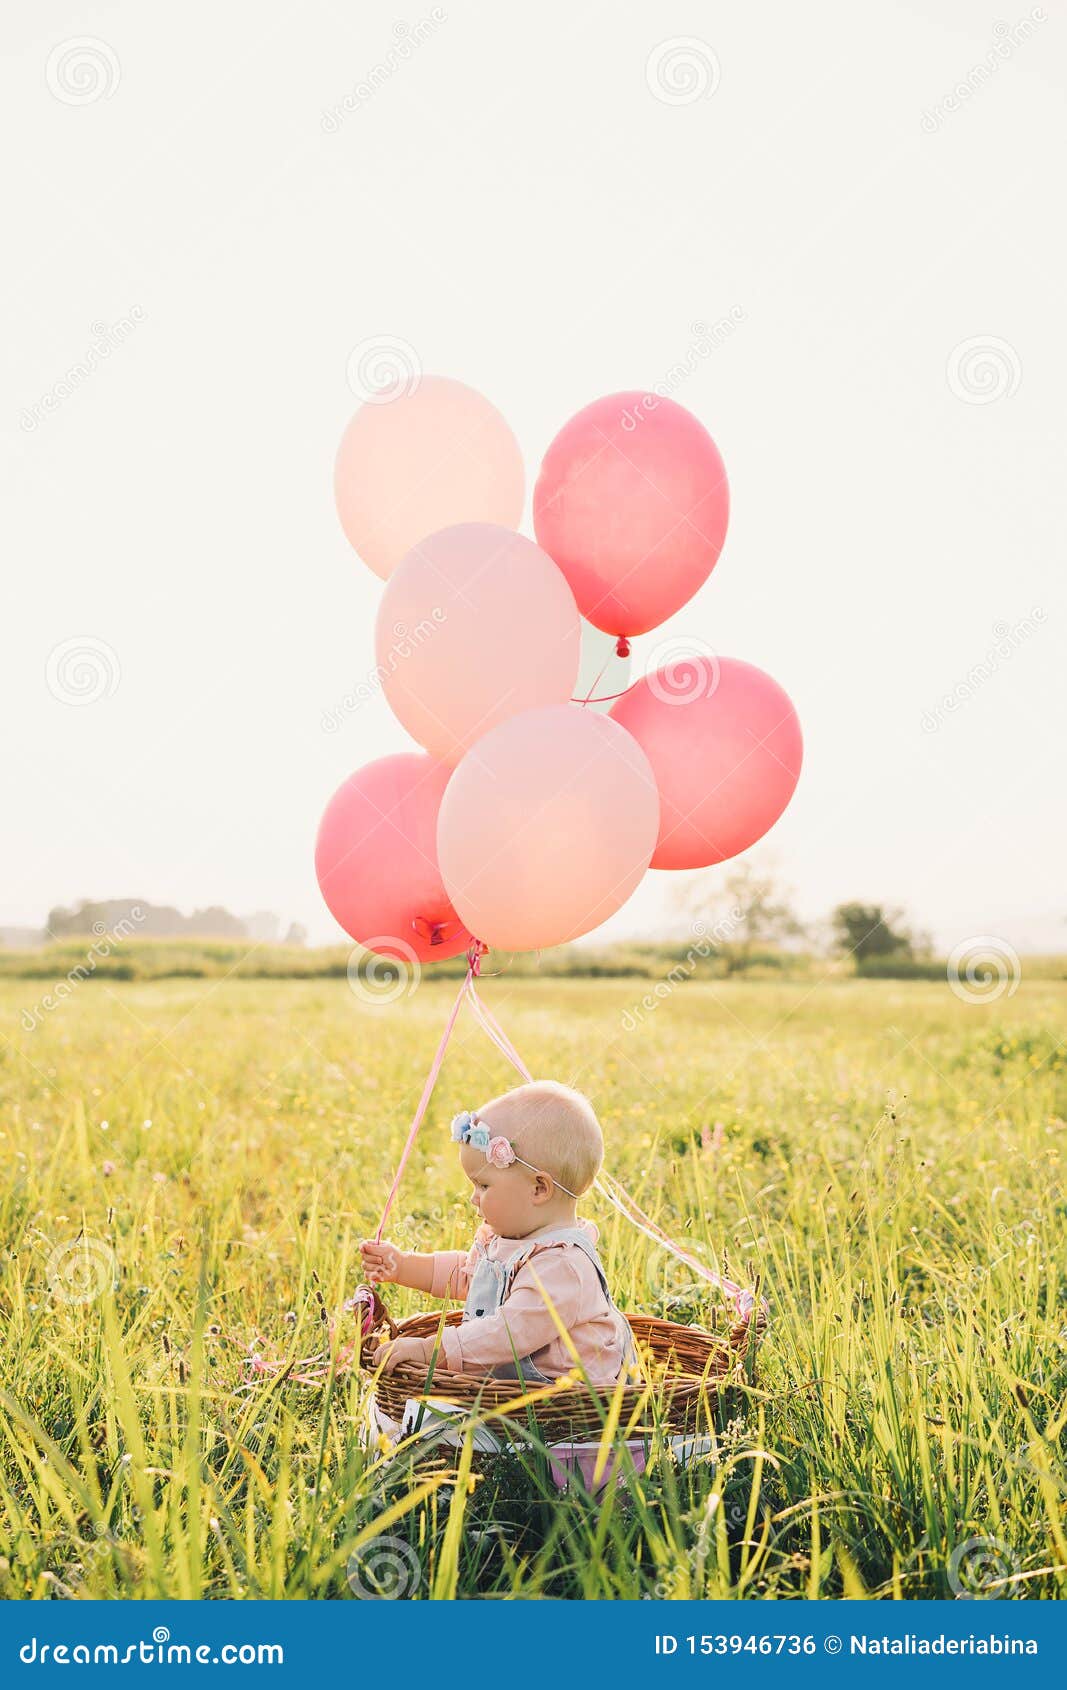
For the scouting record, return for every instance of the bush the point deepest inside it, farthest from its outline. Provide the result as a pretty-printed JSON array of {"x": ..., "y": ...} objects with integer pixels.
[{"x": 901, "y": 967}]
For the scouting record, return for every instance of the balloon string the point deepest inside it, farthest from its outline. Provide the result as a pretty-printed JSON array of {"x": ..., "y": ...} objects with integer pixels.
[
  {"x": 606, "y": 1184},
  {"x": 605, "y": 698},
  {"x": 620, "y": 1200},
  {"x": 594, "y": 686},
  {"x": 616, "y": 1193},
  {"x": 492, "y": 1026},
  {"x": 431, "y": 1081}
]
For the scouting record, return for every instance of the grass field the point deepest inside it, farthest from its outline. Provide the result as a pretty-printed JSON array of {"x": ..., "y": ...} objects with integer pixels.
[{"x": 888, "y": 1157}]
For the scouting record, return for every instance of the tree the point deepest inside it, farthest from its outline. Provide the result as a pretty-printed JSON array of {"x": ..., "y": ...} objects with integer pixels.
[
  {"x": 867, "y": 930},
  {"x": 263, "y": 926},
  {"x": 215, "y": 923},
  {"x": 97, "y": 916},
  {"x": 152, "y": 921},
  {"x": 741, "y": 912}
]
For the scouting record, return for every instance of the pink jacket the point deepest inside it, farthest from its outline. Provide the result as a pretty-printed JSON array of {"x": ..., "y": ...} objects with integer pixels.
[{"x": 559, "y": 1272}]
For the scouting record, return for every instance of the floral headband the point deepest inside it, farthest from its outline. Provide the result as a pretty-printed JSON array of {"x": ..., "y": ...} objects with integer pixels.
[{"x": 499, "y": 1152}]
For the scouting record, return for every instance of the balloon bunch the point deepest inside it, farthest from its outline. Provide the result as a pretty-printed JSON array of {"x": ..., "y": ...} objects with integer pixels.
[{"x": 530, "y": 818}]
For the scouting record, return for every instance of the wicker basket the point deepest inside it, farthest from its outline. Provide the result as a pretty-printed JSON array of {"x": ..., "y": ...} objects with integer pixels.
[{"x": 690, "y": 1372}]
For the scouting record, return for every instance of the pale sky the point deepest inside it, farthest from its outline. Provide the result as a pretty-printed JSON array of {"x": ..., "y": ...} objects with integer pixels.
[{"x": 542, "y": 202}]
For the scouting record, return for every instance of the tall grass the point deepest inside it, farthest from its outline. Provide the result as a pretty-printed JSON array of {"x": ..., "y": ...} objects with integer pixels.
[{"x": 889, "y": 1159}]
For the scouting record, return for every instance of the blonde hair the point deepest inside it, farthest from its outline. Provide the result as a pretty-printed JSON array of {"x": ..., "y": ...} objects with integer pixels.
[{"x": 554, "y": 1127}]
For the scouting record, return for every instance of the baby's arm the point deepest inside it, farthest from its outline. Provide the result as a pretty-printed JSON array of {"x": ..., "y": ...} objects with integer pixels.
[{"x": 443, "y": 1273}]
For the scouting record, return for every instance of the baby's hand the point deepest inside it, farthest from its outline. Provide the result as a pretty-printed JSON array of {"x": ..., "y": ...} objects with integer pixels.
[
  {"x": 381, "y": 1262},
  {"x": 417, "y": 1350}
]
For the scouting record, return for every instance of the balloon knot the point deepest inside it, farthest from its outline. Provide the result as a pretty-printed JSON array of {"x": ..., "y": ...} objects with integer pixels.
[
  {"x": 475, "y": 953},
  {"x": 622, "y": 646},
  {"x": 432, "y": 931}
]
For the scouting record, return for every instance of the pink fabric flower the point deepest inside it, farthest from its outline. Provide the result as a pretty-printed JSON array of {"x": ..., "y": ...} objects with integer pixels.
[{"x": 499, "y": 1153}]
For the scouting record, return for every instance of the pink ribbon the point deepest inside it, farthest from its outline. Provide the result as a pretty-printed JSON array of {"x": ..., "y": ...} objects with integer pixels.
[
  {"x": 625, "y": 1205},
  {"x": 473, "y": 956},
  {"x": 492, "y": 1027},
  {"x": 609, "y": 1188}
]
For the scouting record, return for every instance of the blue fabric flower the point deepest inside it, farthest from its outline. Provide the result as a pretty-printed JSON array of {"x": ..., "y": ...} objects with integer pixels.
[
  {"x": 479, "y": 1137},
  {"x": 461, "y": 1126}
]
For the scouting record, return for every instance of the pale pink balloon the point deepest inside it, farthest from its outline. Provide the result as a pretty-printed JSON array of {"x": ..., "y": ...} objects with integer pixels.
[
  {"x": 632, "y": 502},
  {"x": 475, "y": 625},
  {"x": 421, "y": 461},
  {"x": 546, "y": 827},
  {"x": 725, "y": 745},
  {"x": 376, "y": 860}
]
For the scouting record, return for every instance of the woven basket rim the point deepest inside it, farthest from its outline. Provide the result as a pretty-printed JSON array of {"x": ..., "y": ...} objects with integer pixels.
[{"x": 487, "y": 1391}]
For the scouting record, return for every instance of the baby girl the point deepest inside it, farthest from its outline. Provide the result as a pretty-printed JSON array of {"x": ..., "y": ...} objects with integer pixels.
[{"x": 533, "y": 1266}]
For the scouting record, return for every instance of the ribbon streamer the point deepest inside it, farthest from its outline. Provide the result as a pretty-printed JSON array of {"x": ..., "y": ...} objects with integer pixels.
[
  {"x": 427, "y": 1092},
  {"x": 606, "y": 1184},
  {"x": 619, "y": 1198}
]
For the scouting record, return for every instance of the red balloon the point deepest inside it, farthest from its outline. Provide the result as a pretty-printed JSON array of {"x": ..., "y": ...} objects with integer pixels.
[
  {"x": 632, "y": 504},
  {"x": 725, "y": 746},
  {"x": 376, "y": 860}
]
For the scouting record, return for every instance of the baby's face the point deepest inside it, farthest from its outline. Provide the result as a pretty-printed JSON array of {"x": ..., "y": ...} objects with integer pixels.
[{"x": 503, "y": 1197}]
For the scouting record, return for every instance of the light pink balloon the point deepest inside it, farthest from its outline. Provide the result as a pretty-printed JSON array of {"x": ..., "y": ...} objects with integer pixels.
[
  {"x": 725, "y": 745},
  {"x": 546, "y": 827},
  {"x": 376, "y": 860},
  {"x": 422, "y": 461},
  {"x": 475, "y": 625},
  {"x": 632, "y": 503}
]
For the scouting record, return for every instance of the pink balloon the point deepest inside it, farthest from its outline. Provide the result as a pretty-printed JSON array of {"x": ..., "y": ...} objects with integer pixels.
[
  {"x": 421, "y": 461},
  {"x": 724, "y": 742},
  {"x": 376, "y": 860},
  {"x": 632, "y": 503},
  {"x": 475, "y": 625},
  {"x": 546, "y": 827}
]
